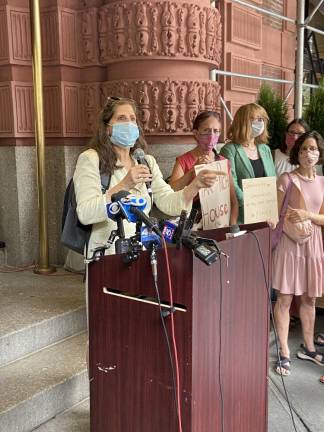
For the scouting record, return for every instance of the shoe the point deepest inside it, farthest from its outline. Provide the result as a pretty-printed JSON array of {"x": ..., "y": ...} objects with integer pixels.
[
  {"x": 283, "y": 366},
  {"x": 304, "y": 354},
  {"x": 319, "y": 339}
]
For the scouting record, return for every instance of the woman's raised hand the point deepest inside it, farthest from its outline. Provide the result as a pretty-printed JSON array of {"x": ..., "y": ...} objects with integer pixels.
[
  {"x": 207, "y": 178},
  {"x": 204, "y": 159},
  {"x": 137, "y": 174}
]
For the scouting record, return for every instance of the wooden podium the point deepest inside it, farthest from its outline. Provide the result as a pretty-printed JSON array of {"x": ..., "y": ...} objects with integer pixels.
[{"x": 221, "y": 331}]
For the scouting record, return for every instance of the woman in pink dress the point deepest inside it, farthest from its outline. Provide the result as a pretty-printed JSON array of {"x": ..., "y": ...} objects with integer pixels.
[
  {"x": 206, "y": 131},
  {"x": 298, "y": 269}
]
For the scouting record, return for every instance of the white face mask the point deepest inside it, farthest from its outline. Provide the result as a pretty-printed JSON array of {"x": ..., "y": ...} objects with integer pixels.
[
  {"x": 257, "y": 128},
  {"x": 308, "y": 159}
]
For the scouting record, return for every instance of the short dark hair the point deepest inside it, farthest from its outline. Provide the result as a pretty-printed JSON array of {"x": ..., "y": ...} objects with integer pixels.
[
  {"x": 302, "y": 123},
  {"x": 204, "y": 115},
  {"x": 293, "y": 158}
]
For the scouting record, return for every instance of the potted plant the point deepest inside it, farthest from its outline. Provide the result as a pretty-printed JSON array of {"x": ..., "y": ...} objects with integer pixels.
[
  {"x": 314, "y": 111},
  {"x": 277, "y": 110}
]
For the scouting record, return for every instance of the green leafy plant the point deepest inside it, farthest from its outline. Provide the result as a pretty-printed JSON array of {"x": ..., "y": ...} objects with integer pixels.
[
  {"x": 314, "y": 111},
  {"x": 277, "y": 110}
]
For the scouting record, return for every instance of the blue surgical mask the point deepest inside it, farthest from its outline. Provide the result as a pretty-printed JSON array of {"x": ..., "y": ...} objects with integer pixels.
[
  {"x": 257, "y": 127},
  {"x": 124, "y": 134}
]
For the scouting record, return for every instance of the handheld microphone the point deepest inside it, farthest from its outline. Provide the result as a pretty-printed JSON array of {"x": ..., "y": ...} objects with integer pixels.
[{"x": 139, "y": 155}]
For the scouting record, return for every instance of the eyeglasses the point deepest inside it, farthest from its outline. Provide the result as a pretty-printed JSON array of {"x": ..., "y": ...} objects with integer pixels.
[
  {"x": 259, "y": 119},
  {"x": 209, "y": 131},
  {"x": 292, "y": 133},
  {"x": 313, "y": 150}
]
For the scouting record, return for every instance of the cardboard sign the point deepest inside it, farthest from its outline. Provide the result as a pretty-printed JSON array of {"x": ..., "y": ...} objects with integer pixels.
[
  {"x": 215, "y": 201},
  {"x": 260, "y": 200}
]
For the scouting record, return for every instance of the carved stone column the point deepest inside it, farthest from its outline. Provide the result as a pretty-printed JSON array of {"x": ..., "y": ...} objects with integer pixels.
[{"x": 160, "y": 53}]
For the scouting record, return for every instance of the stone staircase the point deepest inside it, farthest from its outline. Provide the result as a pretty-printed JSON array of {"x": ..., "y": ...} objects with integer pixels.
[{"x": 42, "y": 348}]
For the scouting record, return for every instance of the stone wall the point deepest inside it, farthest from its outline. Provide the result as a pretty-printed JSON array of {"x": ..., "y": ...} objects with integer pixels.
[{"x": 156, "y": 52}]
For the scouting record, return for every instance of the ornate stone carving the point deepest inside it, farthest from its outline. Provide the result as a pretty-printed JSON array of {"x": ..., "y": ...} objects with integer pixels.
[
  {"x": 193, "y": 31},
  {"x": 142, "y": 29},
  {"x": 119, "y": 33},
  {"x": 89, "y": 94},
  {"x": 163, "y": 29},
  {"x": 144, "y": 104},
  {"x": 89, "y": 36},
  {"x": 166, "y": 106}
]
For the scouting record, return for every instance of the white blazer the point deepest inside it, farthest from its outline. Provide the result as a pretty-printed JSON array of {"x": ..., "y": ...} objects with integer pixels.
[{"x": 91, "y": 203}]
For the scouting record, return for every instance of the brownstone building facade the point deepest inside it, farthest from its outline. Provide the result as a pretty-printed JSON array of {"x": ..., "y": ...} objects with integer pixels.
[{"x": 159, "y": 53}]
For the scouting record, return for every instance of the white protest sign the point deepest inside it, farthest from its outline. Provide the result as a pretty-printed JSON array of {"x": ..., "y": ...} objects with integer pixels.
[
  {"x": 215, "y": 201},
  {"x": 260, "y": 200}
]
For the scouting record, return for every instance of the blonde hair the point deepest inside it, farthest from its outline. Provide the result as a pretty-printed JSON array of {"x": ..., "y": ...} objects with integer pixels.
[{"x": 240, "y": 130}]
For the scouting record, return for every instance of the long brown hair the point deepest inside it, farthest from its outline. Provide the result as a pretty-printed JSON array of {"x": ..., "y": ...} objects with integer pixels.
[
  {"x": 240, "y": 129},
  {"x": 101, "y": 140}
]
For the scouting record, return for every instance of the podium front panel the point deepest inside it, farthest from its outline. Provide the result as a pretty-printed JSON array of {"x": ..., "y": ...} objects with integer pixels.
[{"x": 221, "y": 332}]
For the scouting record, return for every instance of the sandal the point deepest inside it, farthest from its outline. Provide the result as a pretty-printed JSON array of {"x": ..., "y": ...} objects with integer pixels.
[
  {"x": 319, "y": 339},
  {"x": 310, "y": 355},
  {"x": 283, "y": 366},
  {"x": 321, "y": 379}
]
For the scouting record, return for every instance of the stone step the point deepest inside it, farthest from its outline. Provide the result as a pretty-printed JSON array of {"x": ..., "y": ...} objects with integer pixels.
[
  {"x": 40, "y": 386},
  {"x": 76, "y": 419},
  {"x": 36, "y": 311}
]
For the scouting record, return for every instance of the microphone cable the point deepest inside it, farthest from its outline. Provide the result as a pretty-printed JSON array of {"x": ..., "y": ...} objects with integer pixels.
[
  {"x": 220, "y": 344},
  {"x": 274, "y": 327},
  {"x": 174, "y": 343},
  {"x": 163, "y": 314}
]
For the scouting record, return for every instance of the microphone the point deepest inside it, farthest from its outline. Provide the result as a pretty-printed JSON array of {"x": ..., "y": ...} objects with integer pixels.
[
  {"x": 121, "y": 204},
  {"x": 181, "y": 225},
  {"x": 131, "y": 208},
  {"x": 168, "y": 229},
  {"x": 149, "y": 238},
  {"x": 145, "y": 219},
  {"x": 139, "y": 155}
]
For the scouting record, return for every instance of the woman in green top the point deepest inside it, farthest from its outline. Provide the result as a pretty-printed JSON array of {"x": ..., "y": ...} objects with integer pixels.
[{"x": 247, "y": 152}]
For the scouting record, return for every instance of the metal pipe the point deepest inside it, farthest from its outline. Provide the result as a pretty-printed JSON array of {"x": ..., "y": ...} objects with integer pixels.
[
  {"x": 310, "y": 17},
  {"x": 265, "y": 11},
  {"x": 299, "y": 74},
  {"x": 43, "y": 264},
  {"x": 289, "y": 93},
  {"x": 315, "y": 30},
  {"x": 257, "y": 77},
  {"x": 228, "y": 112}
]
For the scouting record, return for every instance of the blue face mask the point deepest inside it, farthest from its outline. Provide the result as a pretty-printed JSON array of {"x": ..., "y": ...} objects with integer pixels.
[{"x": 124, "y": 134}]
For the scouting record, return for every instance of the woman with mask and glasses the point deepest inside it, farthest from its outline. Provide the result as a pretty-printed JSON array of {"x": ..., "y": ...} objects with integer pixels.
[
  {"x": 298, "y": 266},
  {"x": 247, "y": 151},
  {"x": 111, "y": 150},
  {"x": 294, "y": 130},
  {"x": 206, "y": 131}
]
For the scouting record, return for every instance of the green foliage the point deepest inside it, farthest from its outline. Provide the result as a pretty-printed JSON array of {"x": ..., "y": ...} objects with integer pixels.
[
  {"x": 314, "y": 112},
  {"x": 277, "y": 110}
]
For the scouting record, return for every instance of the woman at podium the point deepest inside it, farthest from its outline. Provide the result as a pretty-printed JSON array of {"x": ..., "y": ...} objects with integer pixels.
[{"x": 111, "y": 152}]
